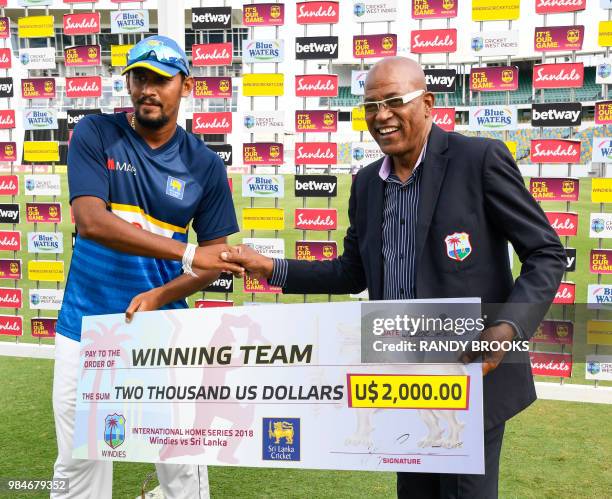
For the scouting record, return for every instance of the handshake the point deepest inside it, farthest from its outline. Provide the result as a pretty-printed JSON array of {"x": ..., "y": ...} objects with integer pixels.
[{"x": 238, "y": 260}]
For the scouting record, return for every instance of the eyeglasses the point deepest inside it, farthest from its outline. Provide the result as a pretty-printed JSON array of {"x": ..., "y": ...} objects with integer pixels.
[
  {"x": 161, "y": 53},
  {"x": 372, "y": 107}
]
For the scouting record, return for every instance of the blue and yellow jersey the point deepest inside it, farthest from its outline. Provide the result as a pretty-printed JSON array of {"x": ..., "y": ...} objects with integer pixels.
[{"x": 163, "y": 190}]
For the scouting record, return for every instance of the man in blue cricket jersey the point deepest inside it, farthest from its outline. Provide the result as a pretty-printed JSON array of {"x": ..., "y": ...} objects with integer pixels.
[{"x": 137, "y": 181}]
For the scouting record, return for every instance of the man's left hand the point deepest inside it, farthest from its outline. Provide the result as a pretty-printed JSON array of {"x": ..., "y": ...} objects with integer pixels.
[
  {"x": 144, "y": 302},
  {"x": 490, "y": 360}
]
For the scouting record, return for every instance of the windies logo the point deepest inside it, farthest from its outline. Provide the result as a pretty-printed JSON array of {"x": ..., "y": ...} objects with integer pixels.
[
  {"x": 329, "y": 119},
  {"x": 507, "y": 75},
  {"x": 49, "y": 86},
  {"x": 568, "y": 186},
  {"x": 274, "y": 151},
  {"x": 15, "y": 268},
  {"x": 604, "y": 70},
  {"x": 53, "y": 211},
  {"x": 458, "y": 246},
  {"x": 448, "y": 4},
  {"x": 359, "y": 9},
  {"x": 275, "y": 11},
  {"x": 328, "y": 251},
  {"x": 224, "y": 85},
  {"x": 9, "y": 150},
  {"x": 92, "y": 52},
  {"x": 3, "y": 25},
  {"x": 387, "y": 43},
  {"x": 114, "y": 430},
  {"x": 573, "y": 35}
]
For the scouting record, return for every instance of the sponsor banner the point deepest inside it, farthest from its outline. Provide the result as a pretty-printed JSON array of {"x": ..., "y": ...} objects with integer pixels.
[
  {"x": 570, "y": 259},
  {"x": 8, "y": 152},
  {"x": 43, "y": 327},
  {"x": 602, "y": 150},
  {"x": 211, "y": 18},
  {"x": 82, "y": 24},
  {"x": 551, "y": 364},
  {"x": 263, "y": 186},
  {"x": 601, "y": 190},
  {"x": 46, "y": 270},
  {"x": 604, "y": 37},
  {"x": 43, "y": 212},
  {"x": 76, "y": 115},
  {"x": 9, "y": 184},
  {"x": 316, "y": 85},
  {"x": 37, "y": 58},
  {"x": 564, "y": 223},
  {"x": 511, "y": 145},
  {"x": 367, "y": 46},
  {"x": 555, "y": 38},
  {"x": 373, "y": 11},
  {"x": 43, "y": 151},
  {"x": 558, "y": 6},
  {"x": 6, "y": 58},
  {"x": 5, "y": 27},
  {"x": 213, "y": 303},
  {"x": 263, "y": 84},
  {"x": 491, "y": 79},
  {"x": 6, "y": 87},
  {"x": 556, "y": 114},
  {"x": 263, "y": 14},
  {"x": 557, "y": 332},
  {"x": 496, "y": 10},
  {"x": 224, "y": 151},
  {"x": 45, "y": 242},
  {"x": 599, "y": 296},
  {"x": 316, "y": 219},
  {"x": 212, "y": 122},
  {"x": 434, "y": 9},
  {"x": 358, "y": 121},
  {"x": 254, "y": 285},
  {"x": 212, "y": 54},
  {"x": 601, "y": 261},
  {"x": 10, "y": 269},
  {"x": 84, "y": 86},
  {"x": 11, "y": 325},
  {"x": 318, "y": 12},
  {"x": 316, "y": 250},
  {"x": 605, "y": 4},
  {"x": 316, "y": 153},
  {"x": 223, "y": 284},
  {"x": 35, "y": 27},
  {"x": 267, "y": 246},
  {"x": 428, "y": 41},
  {"x": 38, "y": 88},
  {"x": 42, "y": 185},
  {"x": 264, "y": 121},
  {"x": 491, "y": 43},
  {"x": 9, "y": 213},
  {"x": 10, "y": 240},
  {"x": 485, "y": 118},
  {"x": 563, "y": 75},
  {"x": 364, "y": 153},
  {"x": 46, "y": 299},
  {"x": 82, "y": 55},
  {"x": 603, "y": 72},
  {"x": 262, "y": 153},
  {"x": 33, "y": 3},
  {"x": 316, "y": 47},
  {"x": 599, "y": 332},
  {"x": 119, "y": 55},
  {"x": 263, "y": 219},
  {"x": 263, "y": 51},
  {"x": 11, "y": 297},
  {"x": 566, "y": 294},
  {"x": 555, "y": 151},
  {"x": 603, "y": 113},
  {"x": 316, "y": 121},
  {"x": 441, "y": 80},
  {"x": 600, "y": 225},
  {"x": 7, "y": 119},
  {"x": 554, "y": 189},
  {"x": 599, "y": 367},
  {"x": 358, "y": 81},
  {"x": 129, "y": 21},
  {"x": 318, "y": 186},
  {"x": 444, "y": 117},
  {"x": 119, "y": 86},
  {"x": 40, "y": 119}
]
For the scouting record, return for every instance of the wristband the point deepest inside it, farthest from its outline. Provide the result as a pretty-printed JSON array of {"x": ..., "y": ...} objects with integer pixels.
[{"x": 188, "y": 259}]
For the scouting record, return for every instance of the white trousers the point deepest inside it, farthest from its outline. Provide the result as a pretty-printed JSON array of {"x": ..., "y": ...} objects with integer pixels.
[{"x": 94, "y": 479}]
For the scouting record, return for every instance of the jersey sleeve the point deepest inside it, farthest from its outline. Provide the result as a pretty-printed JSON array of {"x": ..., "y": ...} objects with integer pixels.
[
  {"x": 87, "y": 169},
  {"x": 215, "y": 216}
]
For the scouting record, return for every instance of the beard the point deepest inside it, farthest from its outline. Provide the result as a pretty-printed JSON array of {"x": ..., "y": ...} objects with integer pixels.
[{"x": 152, "y": 123}]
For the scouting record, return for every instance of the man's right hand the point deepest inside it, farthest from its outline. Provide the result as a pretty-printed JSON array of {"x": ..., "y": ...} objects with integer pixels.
[
  {"x": 209, "y": 258},
  {"x": 256, "y": 265}
]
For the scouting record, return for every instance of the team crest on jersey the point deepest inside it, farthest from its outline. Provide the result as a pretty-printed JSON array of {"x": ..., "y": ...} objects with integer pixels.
[
  {"x": 458, "y": 246},
  {"x": 175, "y": 187}
]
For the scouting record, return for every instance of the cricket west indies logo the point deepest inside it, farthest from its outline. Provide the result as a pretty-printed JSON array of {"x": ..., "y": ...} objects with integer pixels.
[
  {"x": 427, "y": 41},
  {"x": 281, "y": 439},
  {"x": 317, "y": 13},
  {"x": 316, "y": 85},
  {"x": 458, "y": 246},
  {"x": 212, "y": 54},
  {"x": 114, "y": 432},
  {"x": 565, "y": 75}
]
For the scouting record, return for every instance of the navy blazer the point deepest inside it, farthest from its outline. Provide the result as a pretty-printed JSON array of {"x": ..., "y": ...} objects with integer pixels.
[{"x": 471, "y": 185}]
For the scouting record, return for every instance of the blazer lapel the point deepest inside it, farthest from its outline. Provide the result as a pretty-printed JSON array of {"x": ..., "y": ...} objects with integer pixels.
[
  {"x": 434, "y": 169},
  {"x": 376, "y": 189}
]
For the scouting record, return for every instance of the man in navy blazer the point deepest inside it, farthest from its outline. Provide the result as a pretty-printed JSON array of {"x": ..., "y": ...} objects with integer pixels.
[{"x": 432, "y": 219}]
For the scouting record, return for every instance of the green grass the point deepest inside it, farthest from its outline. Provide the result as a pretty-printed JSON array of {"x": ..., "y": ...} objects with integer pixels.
[{"x": 551, "y": 450}]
